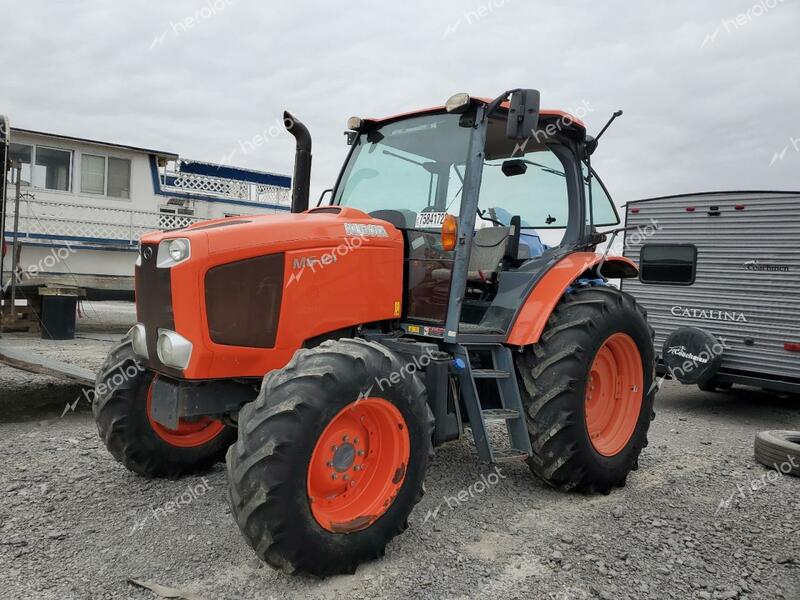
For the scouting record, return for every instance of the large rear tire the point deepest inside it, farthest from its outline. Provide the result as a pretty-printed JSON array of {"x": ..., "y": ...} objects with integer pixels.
[
  {"x": 330, "y": 460},
  {"x": 588, "y": 390},
  {"x": 122, "y": 412}
]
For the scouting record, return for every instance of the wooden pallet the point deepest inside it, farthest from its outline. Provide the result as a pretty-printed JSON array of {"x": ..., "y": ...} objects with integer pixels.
[{"x": 23, "y": 319}]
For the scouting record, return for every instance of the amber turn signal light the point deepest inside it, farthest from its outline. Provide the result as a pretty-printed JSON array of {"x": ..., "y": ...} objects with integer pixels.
[{"x": 449, "y": 232}]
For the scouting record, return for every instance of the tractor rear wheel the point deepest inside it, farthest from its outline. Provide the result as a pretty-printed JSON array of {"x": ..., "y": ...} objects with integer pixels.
[
  {"x": 331, "y": 458},
  {"x": 588, "y": 389},
  {"x": 121, "y": 407}
]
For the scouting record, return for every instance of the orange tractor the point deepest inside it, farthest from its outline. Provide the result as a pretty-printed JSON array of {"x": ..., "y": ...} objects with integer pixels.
[{"x": 327, "y": 351}]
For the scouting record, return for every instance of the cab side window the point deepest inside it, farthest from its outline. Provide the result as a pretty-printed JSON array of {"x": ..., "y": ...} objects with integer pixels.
[{"x": 603, "y": 211}]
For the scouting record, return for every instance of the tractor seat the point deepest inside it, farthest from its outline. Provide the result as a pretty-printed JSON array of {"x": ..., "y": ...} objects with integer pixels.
[{"x": 489, "y": 246}]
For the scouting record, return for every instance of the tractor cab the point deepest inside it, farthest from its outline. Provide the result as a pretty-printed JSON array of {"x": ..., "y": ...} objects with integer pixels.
[{"x": 473, "y": 202}]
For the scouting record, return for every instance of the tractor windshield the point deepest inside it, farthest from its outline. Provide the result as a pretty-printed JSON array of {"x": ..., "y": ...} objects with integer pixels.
[
  {"x": 416, "y": 166},
  {"x": 411, "y": 166}
]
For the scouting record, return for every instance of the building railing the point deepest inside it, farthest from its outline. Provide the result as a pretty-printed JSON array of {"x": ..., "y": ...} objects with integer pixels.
[
  {"x": 43, "y": 219},
  {"x": 231, "y": 189}
]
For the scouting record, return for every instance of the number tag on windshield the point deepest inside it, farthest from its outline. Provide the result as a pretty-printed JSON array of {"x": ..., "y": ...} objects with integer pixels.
[{"x": 430, "y": 220}]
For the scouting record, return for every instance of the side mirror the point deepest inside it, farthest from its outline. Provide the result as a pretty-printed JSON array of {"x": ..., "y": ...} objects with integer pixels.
[
  {"x": 523, "y": 114},
  {"x": 590, "y": 145}
]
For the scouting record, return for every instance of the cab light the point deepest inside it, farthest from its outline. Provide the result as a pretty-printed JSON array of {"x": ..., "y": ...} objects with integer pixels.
[
  {"x": 457, "y": 103},
  {"x": 449, "y": 233}
]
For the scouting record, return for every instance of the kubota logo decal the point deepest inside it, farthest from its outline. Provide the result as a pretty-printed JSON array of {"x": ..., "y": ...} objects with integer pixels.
[{"x": 708, "y": 314}]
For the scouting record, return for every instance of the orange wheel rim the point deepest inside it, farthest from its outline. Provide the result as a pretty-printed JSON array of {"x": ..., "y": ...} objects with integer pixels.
[
  {"x": 358, "y": 465},
  {"x": 614, "y": 394},
  {"x": 190, "y": 433}
]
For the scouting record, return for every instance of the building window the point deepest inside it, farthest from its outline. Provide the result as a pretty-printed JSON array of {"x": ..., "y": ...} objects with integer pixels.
[
  {"x": 93, "y": 174},
  {"x": 106, "y": 176},
  {"x": 119, "y": 178},
  {"x": 668, "y": 264},
  {"x": 24, "y": 154},
  {"x": 52, "y": 169}
]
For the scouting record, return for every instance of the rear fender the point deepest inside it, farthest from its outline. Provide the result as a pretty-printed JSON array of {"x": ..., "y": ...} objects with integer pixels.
[{"x": 545, "y": 295}]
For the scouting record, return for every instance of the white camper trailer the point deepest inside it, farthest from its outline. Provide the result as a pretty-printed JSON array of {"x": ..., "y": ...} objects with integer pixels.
[{"x": 720, "y": 279}]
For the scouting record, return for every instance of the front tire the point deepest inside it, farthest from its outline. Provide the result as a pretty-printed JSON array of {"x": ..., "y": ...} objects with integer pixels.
[
  {"x": 588, "y": 390},
  {"x": 121, "y": 409},
  {"x": 298, "y": 486}
]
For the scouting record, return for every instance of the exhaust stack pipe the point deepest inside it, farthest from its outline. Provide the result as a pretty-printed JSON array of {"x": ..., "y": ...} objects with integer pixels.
[{"x": 301, "y": 181}]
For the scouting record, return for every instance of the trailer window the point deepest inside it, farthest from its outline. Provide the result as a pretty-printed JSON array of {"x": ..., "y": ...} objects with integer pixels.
[{"x": 668, "y": 264}]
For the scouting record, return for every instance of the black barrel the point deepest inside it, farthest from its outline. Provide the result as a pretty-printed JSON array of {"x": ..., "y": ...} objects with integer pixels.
[{"x": 58, "y": 317}]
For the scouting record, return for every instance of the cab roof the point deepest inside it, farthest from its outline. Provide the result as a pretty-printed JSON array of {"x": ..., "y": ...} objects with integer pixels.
[{"x": 575, "y": 123}]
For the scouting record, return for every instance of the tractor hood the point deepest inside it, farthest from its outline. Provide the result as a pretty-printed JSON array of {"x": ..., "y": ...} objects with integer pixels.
[
  {"x": 264, "y": 234},
  {"x": 243, "y": 293}
]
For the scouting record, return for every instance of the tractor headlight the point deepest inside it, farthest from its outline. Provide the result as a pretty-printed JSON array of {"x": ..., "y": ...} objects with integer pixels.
[
  {"x": 172, "y": 252},
  {"x": 138, "y": 337},
  {"x": 179, "y": 249},
  {"x": 173, "y": 350}
]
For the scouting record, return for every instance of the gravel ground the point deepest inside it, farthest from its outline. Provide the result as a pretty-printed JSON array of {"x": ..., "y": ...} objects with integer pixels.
[{"x": 75, "y": 524}]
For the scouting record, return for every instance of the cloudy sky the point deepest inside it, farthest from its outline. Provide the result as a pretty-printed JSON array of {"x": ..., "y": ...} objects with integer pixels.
[{"x": 710, "y": 89}]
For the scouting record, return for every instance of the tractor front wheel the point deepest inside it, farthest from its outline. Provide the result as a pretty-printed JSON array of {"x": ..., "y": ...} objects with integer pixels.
[
  {"x": 121, "y": 407},
  {"x": 588, "y": 389},
  {"x": 331, "y": 458}
]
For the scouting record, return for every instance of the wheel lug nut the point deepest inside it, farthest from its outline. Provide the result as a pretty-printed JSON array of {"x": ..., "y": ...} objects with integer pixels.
[
  {"x": 344, "y": 438},
  {"x": 346, "y": 477},
  {"x": 355, "y": 440},
  {"x": 333, "y": 475},
  {"x": 334, "y": 448},
  {"x": 361, "y": 453},
  {"x": 329, "y": 464}
]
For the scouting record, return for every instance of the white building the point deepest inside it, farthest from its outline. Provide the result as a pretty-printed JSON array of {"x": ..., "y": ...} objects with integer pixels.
[{"x": 85, "y": 204}]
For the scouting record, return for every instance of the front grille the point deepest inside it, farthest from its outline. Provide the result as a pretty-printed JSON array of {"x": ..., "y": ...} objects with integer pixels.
[
  {"x": 243, "y": 301},
  {"x": 153, "y": 301}
]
